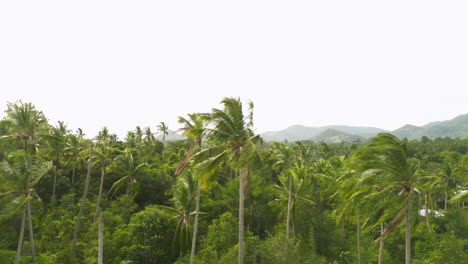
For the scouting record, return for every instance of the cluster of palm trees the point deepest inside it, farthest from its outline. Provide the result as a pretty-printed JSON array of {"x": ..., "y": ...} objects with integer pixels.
[
  {"x": 377, "y": 187},
  {"x": 24, "y": 130}
]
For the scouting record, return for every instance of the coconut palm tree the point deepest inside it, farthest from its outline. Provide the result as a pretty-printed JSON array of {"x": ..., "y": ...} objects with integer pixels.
[
  {"x": 351, "y": 196},
  {"x": 193, "y": 127},
  {"x": 26, "y": 123},
  {"x": 384, "y": 161},
  {"x": 83, "y": 203},
  {"x": 293, "y": 188},
  {"x": 57, "y": 145},
  {"x": 102, "y": 152},
  {"x": 235, "y": 145},
  {"x": 22, "y": 179},
  {"x": 163, "y": 129},
  {"x": 73, "y": 152},
  {"x": 128, "y": 166},
  {"x": 449, "y": 178},
  {"x": 181, "y": 211}
]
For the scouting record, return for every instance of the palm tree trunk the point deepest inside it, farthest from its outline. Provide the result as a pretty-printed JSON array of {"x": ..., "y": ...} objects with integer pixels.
[
  {"x": 427, "y": 210},
  {"x": 294, "y": 223},
  {"x": 195, "y": 225},
  {"x": 21, "y": 236},
  {"x": 98, "y": 202},
  {"x": 288, "y": 215},
  {"x": 358, "y": 235},
  {"x": 31, "y": 231},
  {"x": 83, "y": 203},
  {"x": 445, "y": 201},
  {"x": 242, "y": 175},
  {"x": 73, "y": 175},
  {"x": 408, "y": 233},
  {"x": 101, "y": 238},
  {"x": 55, "y": 175},
  {"x": 381, "y": 247}
]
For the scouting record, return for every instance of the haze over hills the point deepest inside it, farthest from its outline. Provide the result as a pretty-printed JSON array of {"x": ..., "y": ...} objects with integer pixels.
[{"x": 457, "y": 127}]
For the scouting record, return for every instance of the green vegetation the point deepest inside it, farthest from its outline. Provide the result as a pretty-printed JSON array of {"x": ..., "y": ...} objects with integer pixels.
[{"x": 223, "y": 195}]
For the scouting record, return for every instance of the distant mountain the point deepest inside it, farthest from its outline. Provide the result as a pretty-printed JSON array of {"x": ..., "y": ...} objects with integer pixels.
[
  {"x": 325, "y": 133},
  {"x": 171, "y": 136},
  {"x": 336, "y": 136},
  {"x": 457, "y": 127}
]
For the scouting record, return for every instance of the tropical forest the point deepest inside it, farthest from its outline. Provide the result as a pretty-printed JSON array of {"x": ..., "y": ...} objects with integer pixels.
[{"x": 218, "y": 192}]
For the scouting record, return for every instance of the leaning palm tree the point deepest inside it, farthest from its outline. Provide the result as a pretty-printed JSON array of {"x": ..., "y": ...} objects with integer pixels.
[
  {"x": 82, "y": 204},
  {"x": 195, "y": 128},
  {"x": 22, "y": 179},
  {"x": 385, "y": 161},
  {"x": 235, "y": 145}
]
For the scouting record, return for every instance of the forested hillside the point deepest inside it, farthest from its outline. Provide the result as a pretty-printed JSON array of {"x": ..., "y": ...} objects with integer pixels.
[
  {"x": 454, "y": 128},
  {"x": 224, "y": 195}
]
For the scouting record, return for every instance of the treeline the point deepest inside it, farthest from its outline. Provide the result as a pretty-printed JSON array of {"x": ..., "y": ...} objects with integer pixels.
[{"x": 224, "y": 195}]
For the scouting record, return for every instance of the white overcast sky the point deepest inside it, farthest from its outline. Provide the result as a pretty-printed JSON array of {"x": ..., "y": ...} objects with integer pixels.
[{"x": 126, "y": 63}]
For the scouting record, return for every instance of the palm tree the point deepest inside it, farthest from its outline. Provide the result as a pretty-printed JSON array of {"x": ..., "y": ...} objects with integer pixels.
[
  {"x": 351, "y": 195},
  {"x": 148, "y": 143},
  {"x": 235, "y": 147},
  {"x": 57, "y": 144},
  {"x": 22, "y": 179},
  {"x": 163, "y": 129},
  {"x": 384, "y": 161},
  {"x": 26, "y": 122},
  {"x": 103, "y": 155},
  {"x": 294, "y": 188},
  {"x": 282, "y": 157},
  {"x": 127, "y": 165},
  {"x": 195, "y": 128},
  {"x": 182, "y": 200},
  {"x": 73, "y": 151},
  {"x": 449, "y": 178},
  {"x": 83, "y": 203}
]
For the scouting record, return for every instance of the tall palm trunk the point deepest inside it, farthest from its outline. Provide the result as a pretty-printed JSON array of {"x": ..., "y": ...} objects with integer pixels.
[
  {"x": 358, "y": 235},
  {"x": 381, "y": 247},
  {"x": 55, "y": 175},
  {"x": 101, "y": 185},
  {"x": 408, "y": 233},
  {"x": 73, "y": 175},
  {"x": 445, "y": 201},
  {"x": 31, "y": 231},
  {"x": 294, "y": 223},
  {"x": 288, "y": 216},
  {"x": 101, "y": 238},
  {"x": 426, "y": 210},
  {"x": 242, "y": 175},
  {"x": 83, "y": 203},
  {"x": 195, "y": 225},
  {"x": 21, "y": 236}
]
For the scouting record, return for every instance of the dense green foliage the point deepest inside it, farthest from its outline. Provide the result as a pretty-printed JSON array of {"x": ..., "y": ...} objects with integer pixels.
[{"x": 304, "y": 202}]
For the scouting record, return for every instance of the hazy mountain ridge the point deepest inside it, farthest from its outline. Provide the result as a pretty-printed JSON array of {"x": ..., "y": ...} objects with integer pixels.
[
  {"x": 171, "y": 136},
  {"x": 456, "y": 127}
]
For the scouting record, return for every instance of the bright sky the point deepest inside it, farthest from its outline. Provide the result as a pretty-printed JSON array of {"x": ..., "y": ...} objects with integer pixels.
[{"x": 126, "y": 63}]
